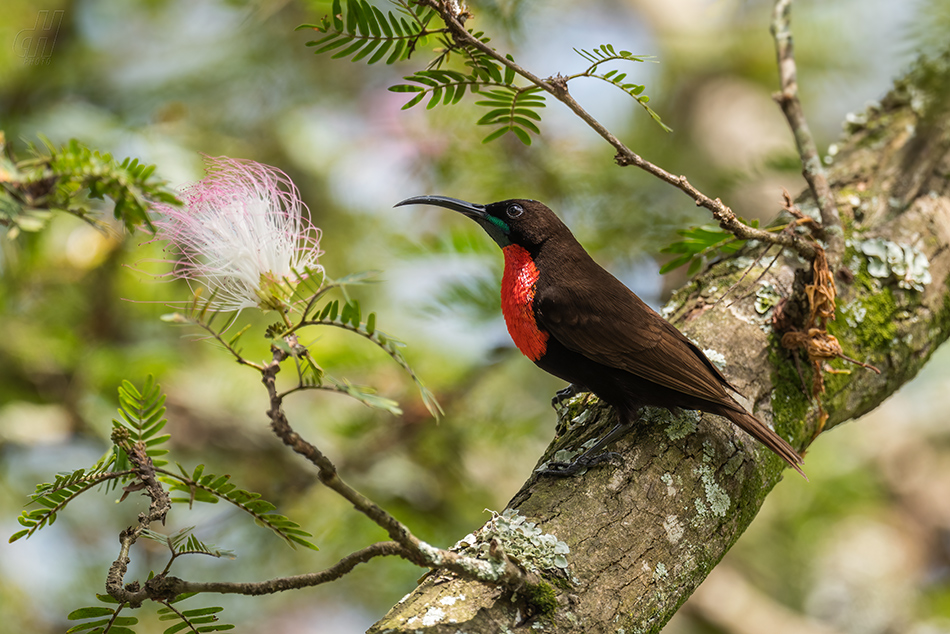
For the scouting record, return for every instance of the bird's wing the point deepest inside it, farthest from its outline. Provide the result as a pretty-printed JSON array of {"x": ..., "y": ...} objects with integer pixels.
[{"x": 608, "y": 323}]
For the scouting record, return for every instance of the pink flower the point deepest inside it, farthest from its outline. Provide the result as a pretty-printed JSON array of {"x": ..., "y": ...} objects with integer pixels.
[{"x": 243, "y": 234}]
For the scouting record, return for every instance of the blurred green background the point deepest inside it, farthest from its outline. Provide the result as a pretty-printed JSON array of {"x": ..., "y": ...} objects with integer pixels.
[{"x": 864, "y": 547}]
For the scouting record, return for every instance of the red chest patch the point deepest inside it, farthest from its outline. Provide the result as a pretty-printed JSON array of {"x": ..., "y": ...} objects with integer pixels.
[{"x": 517, "y": 302}]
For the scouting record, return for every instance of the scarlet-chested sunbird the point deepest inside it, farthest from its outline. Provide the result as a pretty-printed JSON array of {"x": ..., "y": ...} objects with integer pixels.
[{"x": 580, "y": 323}]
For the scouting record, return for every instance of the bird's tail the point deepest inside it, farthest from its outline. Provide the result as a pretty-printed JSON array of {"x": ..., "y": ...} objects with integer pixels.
[{"x": 765, "y": 435}]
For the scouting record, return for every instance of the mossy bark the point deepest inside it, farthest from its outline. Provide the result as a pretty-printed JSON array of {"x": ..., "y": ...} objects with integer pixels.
[{"x": 645, "y": 531}]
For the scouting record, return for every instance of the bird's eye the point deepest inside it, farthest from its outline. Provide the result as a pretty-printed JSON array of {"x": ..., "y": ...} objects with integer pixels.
[{"x": 514, "y": 211}]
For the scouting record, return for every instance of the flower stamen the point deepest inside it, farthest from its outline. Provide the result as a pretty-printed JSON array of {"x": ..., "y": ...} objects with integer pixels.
[{"x": 242, "y": 233}]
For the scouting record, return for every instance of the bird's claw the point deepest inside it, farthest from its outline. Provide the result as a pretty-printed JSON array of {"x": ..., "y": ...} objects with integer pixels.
[
  {"x": 565, "y": 469},
  {"x": 562, "y": 395}
]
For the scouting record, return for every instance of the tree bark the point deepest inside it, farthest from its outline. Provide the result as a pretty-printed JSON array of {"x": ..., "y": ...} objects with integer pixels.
[{"x": 645, "y": 531}]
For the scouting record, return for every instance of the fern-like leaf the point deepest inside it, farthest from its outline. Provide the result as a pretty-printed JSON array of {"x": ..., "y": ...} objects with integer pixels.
[
  {"x": 142, "y": 414},
  {"x": 101, "y": 619},
  {"x": 362, "y": 31},
  {"x": 197, "y": 619},
  {"x": 210, "y": 488},
  {"x": 60, "y": 179},
  {"x": 698, "y": 245},
  {"x": 606, "y": 53},
  {"x": 513, "y": 110},
  {"x": 349, "y": 317},
  {"x": 184, "y": 542},
  {"x": 53, "y": 497}
]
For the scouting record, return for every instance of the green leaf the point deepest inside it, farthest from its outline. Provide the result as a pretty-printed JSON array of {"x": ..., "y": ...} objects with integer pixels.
[
  {"x": 435, "y": 98},
  {"x": 212, "y": 488},
  {"x": 412, "y": 102},
  {"x": 336, "y": 13},
  {"x": 18, "y": 535},
  {"x": 351, "y": 15},
  {"x": 525, "y": 123},
  {"x": 357, "y": 45},
  {"x": 329, "y": 43},
  {"x": 201, "y": 612},
  {"x": 142, "y": 414},
  {"x": 522, "y": 135},
  {"x": 694, "y": 267},
  {"x": 366, "y": 50},
  {"x": 494, "y": 135},
  {"x": 698, "y": 244},
  {"x": 118, "y": 624},
  {"x": 88, "y": 613},
  {"x": 381, "y": 51},
  {"x": 96, "y": 626},
  {"x": 675, "y": 264},
  {"x": 382, "y": 22},
  {"x": 369, "y": 20},
  {"x": 105, "y": 598},
  {"x": 66, "y": 178},
  {"x": 509, "y": 72},
  {"x": 492, "y": 116}
]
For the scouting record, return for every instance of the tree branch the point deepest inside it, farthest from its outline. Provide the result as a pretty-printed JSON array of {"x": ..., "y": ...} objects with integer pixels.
[
  {"x": 334, "y": 572},
  {"x": 499, "y": 569},
  {"x": 557, "y": 87},
  {"x": 812, "y": 168},
  {"x": 158, "y": 508}
]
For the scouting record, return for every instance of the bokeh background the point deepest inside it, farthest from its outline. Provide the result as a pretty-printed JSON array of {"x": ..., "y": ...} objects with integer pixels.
[{"x": 864, "y": 547}]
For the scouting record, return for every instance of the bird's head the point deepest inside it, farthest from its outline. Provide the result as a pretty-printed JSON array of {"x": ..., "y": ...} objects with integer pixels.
[{"x": 527, "y": 223}]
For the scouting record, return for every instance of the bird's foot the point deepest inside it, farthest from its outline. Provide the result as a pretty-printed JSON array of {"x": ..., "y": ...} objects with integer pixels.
[
  {"x": 566, "y": 469},
  {"x": 562, "y": 395}
]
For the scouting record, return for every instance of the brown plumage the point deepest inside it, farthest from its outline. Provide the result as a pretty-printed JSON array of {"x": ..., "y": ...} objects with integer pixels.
[{"x": 580, "y": 323}]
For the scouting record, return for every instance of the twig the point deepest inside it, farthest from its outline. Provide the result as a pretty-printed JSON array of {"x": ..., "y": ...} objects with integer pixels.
[
  {"x": 557, "y": 87},
  {"x": 745, "y": 274},
  {"x": 800, "y": 219},
  {"x": 812, "y": 169},
  {"x": 157, "y": 510},
  {"x": 334, "y": 572},
  {"x": 227, "y": 346},
  {"x": 501, "y": 569},
  {"x": 498, "y": 569},
  {"x": 866, "y": 366},
  {"x": 180, "y": 615}
]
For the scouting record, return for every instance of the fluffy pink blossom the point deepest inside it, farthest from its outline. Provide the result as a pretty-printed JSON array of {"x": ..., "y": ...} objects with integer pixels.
[{"x": 243, "y": 233}]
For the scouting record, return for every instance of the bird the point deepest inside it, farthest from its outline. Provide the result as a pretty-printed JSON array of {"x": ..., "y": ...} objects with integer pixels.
[{"x": 578, "y": 322}]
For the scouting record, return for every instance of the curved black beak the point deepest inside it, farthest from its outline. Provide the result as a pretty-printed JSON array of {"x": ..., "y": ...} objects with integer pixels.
[{"x": 472, "y": 210}]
